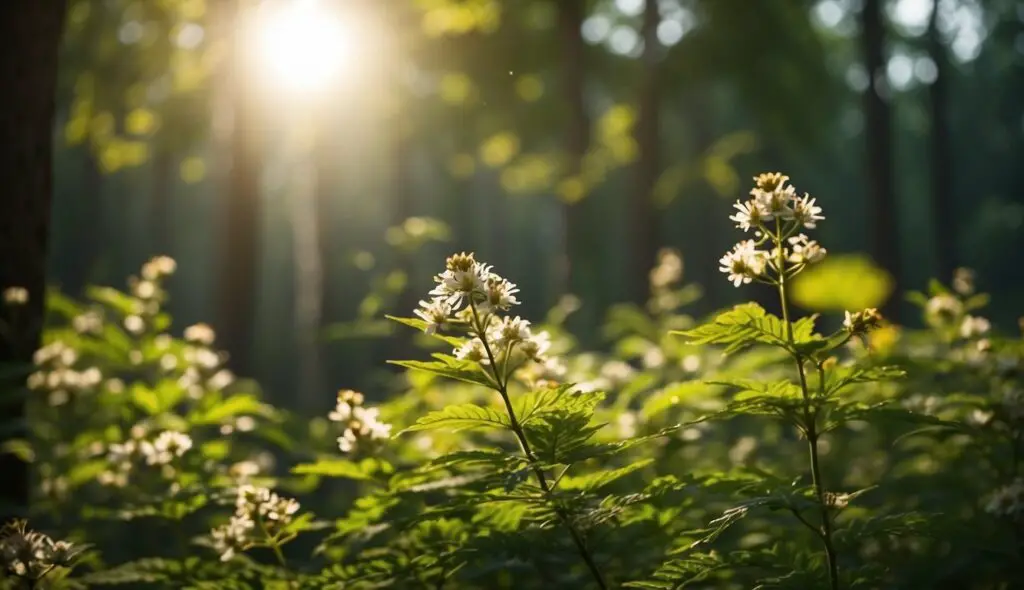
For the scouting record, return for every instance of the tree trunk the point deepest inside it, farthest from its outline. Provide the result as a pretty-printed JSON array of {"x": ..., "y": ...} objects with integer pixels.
[
  {"x": 571, "y": 14},
  {"x": 30, "y": 32},
  {"x": 240, "y": 239},
  {"x": 309, "y": 268},
  {"x": 941, "y": 153},
  {"x": 84, "y": 245},
  {"x": 644, "y": 222},
  {"x": 881, "y": 197},
  {"x": 160, "y": 206}
]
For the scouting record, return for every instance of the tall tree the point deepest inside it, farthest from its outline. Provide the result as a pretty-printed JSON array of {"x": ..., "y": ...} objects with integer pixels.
[
  {"x": 30, "y": 32},
  {"x": 643, "y": 221},
  {"x": 239, "y": 252},
  {"x": 571, "y": 14},
  {"x": 941, "y": 165},
  {"x": 881, "y": 194}
]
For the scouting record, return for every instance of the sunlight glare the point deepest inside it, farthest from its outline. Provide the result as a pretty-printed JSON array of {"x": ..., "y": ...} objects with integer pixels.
[{"x": 305, "y": 47}]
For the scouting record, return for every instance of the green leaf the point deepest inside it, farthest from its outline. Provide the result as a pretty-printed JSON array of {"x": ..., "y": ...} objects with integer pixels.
[
  {"x": 421, "y": 325},
  {"x": 145, "y": 398},
  {"x": 123, "y": 303},
  {"x": 838, "y": 378},
  {"x": 461, "y": 417},
  {"x": 535, "y": 404},
  {"x": 595, "y": 481},
  {"x": 235, "y": 405},
  {"x": 333, "y": 468},
  {"x": 674, "y": 395},
  {"x": 20, "y": 448},
  {"x": 747, "y": 324},
  {"x": 557, "y": 436},
  {"x": 452, "y": 368}
]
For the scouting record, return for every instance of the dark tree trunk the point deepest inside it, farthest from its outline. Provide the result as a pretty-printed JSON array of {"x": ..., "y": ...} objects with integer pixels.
[
  {"x": 83, "y": 252},
  {"x": 571, "y": 14},
  {"x": 881, "y": 197},
  {"x": 240, "y": 238},
  {"x": 161, "y": 204},
  {"x": 30, "y": 32},
  {"x": 644, "y": 222},
  {"x": 941, "y": 153}
]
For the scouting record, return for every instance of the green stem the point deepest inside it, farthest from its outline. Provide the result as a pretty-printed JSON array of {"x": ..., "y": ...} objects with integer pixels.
[
  {"x": 524, "y": 444},
  {"x": 810, "y": 420}
]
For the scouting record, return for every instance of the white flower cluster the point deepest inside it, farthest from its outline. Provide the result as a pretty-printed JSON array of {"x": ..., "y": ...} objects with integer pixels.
[
  {"x": 1008, "y": 500},
  {"x": 464, "y": 286},
  {"x": 15, "y": 296},
  {"x": 160, "y": 452},
  {"x": 253, "y": 506},
  {"x": 149, "y": 293},
  {"x": 204, "y": 370},
  {"x": 469, "y": 294},
  {"x": 56, "y": 375},
  {"x": 362, "y": 425},
  {"x": 30, "y": 554},
  {"x": 773, "y": 200},
  {"x": 664, "y": 278}
]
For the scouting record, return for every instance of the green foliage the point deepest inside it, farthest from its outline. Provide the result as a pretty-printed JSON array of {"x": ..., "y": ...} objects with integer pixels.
[{"x": 584, "y": 470}]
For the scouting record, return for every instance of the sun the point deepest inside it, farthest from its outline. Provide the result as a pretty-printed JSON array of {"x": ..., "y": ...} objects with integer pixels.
[{"x": 304, "y": 46}]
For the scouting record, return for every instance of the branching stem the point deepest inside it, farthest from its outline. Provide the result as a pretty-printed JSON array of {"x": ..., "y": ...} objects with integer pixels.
[
  {"x": 501, "y": 379},
  {"x": 810, "y": 419}
]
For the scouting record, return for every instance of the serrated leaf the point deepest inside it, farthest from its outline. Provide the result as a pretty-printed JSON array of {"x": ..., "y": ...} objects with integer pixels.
[
  {"x": 461, "y": 417},
  {"x": 748, "y": 324},
  {"x": 594, "y": 481},
  {"x": 458, "y": 370},
  {"x": 838, "y": 378},
  {"x": 421, "y": 326},
  {"x": 535, "y": 404}
]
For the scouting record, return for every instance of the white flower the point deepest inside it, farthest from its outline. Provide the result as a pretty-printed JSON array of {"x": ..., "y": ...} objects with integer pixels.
[
  {"x": 472, "y": 350},
  {"x": 536, "y": 346},
  {"x": 508, "y": 332},
  {"x": 806, "y": 213},
  {"x": 200, "y": 334},
  {"x": 15, "y": 296},
  {"x": 775, "y": 203},
  {"x": 176, "y": 443},
  {"x": 942, "y": 308},
  {"x": 499, "y": 294},
  {"x": 347, "y": 441},
  {"x": 805, "y": 250},
  {"x": 974, "y": 326},
  {"x": 743, "y": 264},
  {"x": 750, "y": 214},
  {"x": 464, "y": 279},
  {"x": 435, "y": 312}
]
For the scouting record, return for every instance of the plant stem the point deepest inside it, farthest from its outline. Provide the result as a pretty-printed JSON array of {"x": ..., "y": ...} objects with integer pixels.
[
  {"x": 502, "y": 382},
  {"x": 810, "y": 426}
]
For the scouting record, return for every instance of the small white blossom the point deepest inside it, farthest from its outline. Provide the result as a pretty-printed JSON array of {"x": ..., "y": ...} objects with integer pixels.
[
  {"x": 361, "y": 424},
  {"x": 805, "y": 250},
  {"x": 744, "y": 263},
  {"x": 750, "y": 214},
  {"x": 974, "y": 326},
  {"x": 435, "y": 312},
  {"x": 201, "y": 334},
  {"x": 472, "y": 350},
  {"x": 806, "y": 213},
  {"x": 15, "y": 296}
]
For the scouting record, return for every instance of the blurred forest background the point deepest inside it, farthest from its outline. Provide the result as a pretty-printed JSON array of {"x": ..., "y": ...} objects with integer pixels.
[{"x": 564, "y": 141}]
